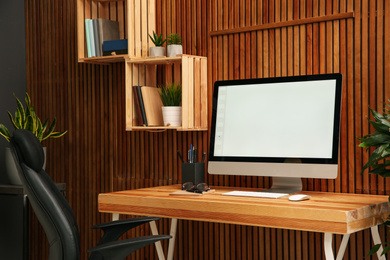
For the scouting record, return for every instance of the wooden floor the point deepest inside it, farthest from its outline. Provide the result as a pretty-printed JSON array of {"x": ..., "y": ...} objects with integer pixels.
[{"x": 276, "y": 38}]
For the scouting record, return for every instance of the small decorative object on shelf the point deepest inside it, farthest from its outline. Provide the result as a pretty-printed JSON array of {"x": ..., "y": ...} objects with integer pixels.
[
  {"x": 26, "y": 118},
  {"x": 158, "y": 50},
  {"x": 171, "y": 99},
  {"x": 174, "y": 45}
]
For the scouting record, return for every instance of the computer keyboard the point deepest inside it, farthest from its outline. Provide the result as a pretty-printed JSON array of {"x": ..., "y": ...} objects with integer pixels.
[{"x": 258, "y": 194}]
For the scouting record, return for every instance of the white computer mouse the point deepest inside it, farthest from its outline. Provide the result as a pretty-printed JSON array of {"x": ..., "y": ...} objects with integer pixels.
[{"x": 299, "y": 197}]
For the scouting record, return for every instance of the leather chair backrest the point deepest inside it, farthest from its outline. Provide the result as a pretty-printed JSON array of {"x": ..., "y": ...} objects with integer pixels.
[{"x": 50, "y": 206}]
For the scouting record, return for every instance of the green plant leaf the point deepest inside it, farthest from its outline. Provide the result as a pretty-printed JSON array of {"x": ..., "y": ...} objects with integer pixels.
[
  {"x": 12, "y": 120},
  {"x": 58, "y": 134},
  {"x": 170, "y": 94},
  {"x": 4, "y": 132},
  {"x": 20, "y": 109},
  {"x": 18, "y": 119},
  {"x": 174, "y": 38},
  {"x": 374, "y": 249},
  {"x": 385, "y": 250},
  {"x": 51, "y": 130},
  {"x": 30, "y": 124},
  {"x": 39, "y": 131},
  {"x": 374, "y": 140},
  {"x": 157, "y": 40},
  {"x": 376, "y": 115},
  {"x": 26, "y": 118},
  {"x": 380, "y": 127}
]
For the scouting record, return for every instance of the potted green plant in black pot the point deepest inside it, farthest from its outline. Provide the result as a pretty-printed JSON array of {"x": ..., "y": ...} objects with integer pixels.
[
  {"x": 171, "y": 99},
  {"x": 174, "y": 47},
  {"x": 158, "y": 50},
  {"x": 378, "y": 162},
  {"x": 26, "y": 118}
]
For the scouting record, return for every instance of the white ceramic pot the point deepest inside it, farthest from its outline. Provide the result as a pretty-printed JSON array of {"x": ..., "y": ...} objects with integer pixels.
[
  {"x": 172, "y": 116},
  {"x": 174, "y": 49},
  {"x": 157, "y": 51},
  {"x": 10, "y": 167}
]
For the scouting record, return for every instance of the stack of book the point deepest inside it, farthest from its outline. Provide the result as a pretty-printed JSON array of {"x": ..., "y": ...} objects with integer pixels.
[
  {"x": 148, "y": 106},
  {"x": 97, "y": 31}
]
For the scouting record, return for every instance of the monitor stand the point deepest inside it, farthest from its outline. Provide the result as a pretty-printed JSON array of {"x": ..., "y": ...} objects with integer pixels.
[{"x": 285, "y": 185}]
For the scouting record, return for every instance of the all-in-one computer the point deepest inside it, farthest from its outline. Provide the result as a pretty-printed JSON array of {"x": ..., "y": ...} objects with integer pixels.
[{"x": 284, "y": 127}]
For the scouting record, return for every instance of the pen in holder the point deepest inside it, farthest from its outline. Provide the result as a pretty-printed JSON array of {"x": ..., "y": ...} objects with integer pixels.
[{"x": 192, "y": 172}]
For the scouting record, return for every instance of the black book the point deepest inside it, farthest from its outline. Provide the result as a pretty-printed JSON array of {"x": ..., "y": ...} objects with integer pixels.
[
  {"x": 141, "y": 103},
  {"x": 137, "y": 106}
]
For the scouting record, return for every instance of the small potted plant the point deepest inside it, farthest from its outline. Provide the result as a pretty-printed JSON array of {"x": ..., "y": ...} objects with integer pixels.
[
  {"x": 26, "y": 118},
  {"x": 158, "y": 50},
  {"x": 174, "y": 47},
  {"x": 171, "y": 99}
]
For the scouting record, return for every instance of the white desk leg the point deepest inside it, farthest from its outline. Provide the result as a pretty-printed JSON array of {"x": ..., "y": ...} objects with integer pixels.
[
  {"x": 171, "y": 247},
  {"x": 115, "y": 216},
  {"x": 159, "y": 249},
  {"x": 377, "y": 240},
  {"x": 329, "y": 249},
  {"x": 343, "y": 246},
  {"x": 328, "y": 246}
]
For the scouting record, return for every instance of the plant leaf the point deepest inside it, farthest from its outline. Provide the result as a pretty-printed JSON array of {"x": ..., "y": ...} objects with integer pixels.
[
  {"x": 18, "y": 119},
  {"x": 58, "y": 134},
  {"x": 12, "y": 120},
  {"x": 374, "y": 140},
  {"x": 50, "y": 131},
  {"x": 374, "y": 249},
  {"x": 39, "y": 132},
  {"x": 4, "y": 132},
  {"x": 30, "y": 124},
  {"x": 380, "y": 127},
  {"x": 20, "y": 109},
  {"x": 375, "y": 114},
  {"x": 385, "y": 250}
]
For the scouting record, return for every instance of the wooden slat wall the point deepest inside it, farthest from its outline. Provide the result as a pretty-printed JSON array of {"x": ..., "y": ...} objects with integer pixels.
[
  {"x": 251, "y": 39},
  {"x": 98, "y": 155}
]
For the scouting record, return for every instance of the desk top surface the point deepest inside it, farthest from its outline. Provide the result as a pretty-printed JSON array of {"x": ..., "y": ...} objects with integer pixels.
[{"x": 340, "y": 213}]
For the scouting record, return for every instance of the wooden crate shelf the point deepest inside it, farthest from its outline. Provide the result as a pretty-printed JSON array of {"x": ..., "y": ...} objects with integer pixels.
[
  {"x": 137, "y": 19},
  {"x": 190, "y": 71},
  {"x": 132, "y": 26}
]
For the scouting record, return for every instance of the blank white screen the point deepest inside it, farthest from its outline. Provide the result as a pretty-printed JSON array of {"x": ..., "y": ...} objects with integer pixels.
[{"x": 288, "y": 120}]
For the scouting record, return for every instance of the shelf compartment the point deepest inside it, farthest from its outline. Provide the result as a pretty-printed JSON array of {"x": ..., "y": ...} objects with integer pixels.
[
  {"x": 140, "y": 22},
  {"x": 190, "y": 71}
]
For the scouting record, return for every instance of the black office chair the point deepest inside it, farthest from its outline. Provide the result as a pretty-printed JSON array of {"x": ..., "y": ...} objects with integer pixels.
[{"x": 56, "y": 216}]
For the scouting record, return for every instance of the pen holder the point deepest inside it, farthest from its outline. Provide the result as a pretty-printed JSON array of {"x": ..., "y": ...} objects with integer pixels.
[{"x": 192, "y": 172}]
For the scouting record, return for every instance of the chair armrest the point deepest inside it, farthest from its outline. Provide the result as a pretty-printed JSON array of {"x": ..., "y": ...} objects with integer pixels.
[
  {"x": 115, "y": 229},
  {"x": 142, "y": 221},
  {"x": 118, "y": 250}
]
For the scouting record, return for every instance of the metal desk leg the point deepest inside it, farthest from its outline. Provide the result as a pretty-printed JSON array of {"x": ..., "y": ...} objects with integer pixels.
[
  {"x": 343, "y": 246},
  {"x": 171, "y": 247},
  {"x": 328, "y": 246},
  {"x": 377, "y": 240},
  {"x": 115, "y": 216},
  {"x": 159, "y": 249}
]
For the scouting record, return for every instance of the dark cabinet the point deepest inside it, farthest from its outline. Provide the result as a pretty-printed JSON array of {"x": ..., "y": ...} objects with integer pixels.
[{"x": 14, "y": 221}]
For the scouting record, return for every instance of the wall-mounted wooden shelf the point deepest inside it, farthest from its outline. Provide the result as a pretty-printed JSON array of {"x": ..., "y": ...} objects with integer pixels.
[
  {"x": 135, "y": 27},
  {"x": 188, "y": 70},
  {"x": 157, "y": 60}
]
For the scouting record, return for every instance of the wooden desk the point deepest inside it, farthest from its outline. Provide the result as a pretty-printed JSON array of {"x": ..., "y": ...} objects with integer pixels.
[{"x": 329, "y": 213}]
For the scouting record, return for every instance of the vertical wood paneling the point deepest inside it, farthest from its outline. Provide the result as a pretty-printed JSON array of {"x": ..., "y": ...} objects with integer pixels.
[
  {"x": 356, "y": 47},
  {"x": 98, "y": 155}
]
